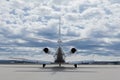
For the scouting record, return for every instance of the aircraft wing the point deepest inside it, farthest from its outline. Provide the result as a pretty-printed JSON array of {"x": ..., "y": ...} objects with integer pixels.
[
  {"x": 37, "y": 60},
  {"x": 77, "y": 59},
  {"x": 80, "y": 62},
  {"x": 25, "y": 60}
]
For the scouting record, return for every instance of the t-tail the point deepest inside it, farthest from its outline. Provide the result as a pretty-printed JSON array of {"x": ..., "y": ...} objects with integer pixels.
[
  {"x": 59, "y": 53},
  {"x": 59, "y": 36}
]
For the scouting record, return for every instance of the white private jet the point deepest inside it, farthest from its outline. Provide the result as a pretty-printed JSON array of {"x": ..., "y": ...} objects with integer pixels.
[{"x": 59, "y": 55}]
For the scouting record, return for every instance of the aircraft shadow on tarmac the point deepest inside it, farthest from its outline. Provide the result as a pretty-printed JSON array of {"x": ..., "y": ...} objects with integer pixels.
[
  {"x": 58, "y": 69},
  {"x": 62, "y": 67},
  {"x": 55, "y": 69}
]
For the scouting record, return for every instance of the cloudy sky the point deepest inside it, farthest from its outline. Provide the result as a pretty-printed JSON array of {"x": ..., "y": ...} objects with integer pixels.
[{"x": 22, "y": 21}]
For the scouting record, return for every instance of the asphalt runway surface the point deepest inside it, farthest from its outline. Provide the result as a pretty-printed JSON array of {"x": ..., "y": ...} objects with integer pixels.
[{"x": 65, "y": 72}]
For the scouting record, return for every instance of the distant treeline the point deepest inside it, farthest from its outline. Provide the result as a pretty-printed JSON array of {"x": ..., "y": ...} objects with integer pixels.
[{"x": 87, "y": 63}]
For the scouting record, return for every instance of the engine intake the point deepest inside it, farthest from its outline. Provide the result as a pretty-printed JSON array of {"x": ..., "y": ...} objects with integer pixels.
[
  {"x": 73, "y": 50},
  {"x": 46, "y": 50}
]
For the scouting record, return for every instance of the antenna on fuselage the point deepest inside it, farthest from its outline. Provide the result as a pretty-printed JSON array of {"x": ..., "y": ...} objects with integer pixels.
[{"x": 59, "y": 38}]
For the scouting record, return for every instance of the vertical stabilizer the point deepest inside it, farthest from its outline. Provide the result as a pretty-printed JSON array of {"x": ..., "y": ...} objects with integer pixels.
[
  {"x": 59, "y": 28},
  {"x": 59, "y": 38}
]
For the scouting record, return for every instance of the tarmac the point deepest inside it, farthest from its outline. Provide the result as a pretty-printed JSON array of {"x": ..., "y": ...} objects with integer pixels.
[{"x": 53, "y": 72}]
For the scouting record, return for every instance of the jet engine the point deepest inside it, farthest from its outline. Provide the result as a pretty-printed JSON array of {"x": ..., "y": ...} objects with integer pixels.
[
  {"x": 46, "y": 50},
  {"x": 73, "y": 50}
]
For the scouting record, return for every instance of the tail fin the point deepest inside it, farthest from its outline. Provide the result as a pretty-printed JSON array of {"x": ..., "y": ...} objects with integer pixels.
[
  {"x": 59, "y": 38},
  {"x": 59, "y": 28}
]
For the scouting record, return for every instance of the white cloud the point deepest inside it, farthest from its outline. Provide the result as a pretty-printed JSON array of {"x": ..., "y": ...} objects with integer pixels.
[{"x": 95, "y": 19}]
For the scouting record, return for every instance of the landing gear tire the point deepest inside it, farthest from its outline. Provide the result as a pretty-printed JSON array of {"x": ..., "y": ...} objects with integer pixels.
[
  {"x": 75, "y": 65},
  {"x": 59, "y": 65},
  {"x": 44, "y": 65}
]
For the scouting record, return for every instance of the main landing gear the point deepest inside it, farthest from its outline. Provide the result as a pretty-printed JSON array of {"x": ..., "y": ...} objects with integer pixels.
[
  {"x": 75, "y": 65},
  {"x": 44, "y": 65}
]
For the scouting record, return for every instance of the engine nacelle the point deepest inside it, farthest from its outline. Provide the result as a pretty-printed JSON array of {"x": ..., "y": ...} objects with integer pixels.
[
  {"x": 46, "y": 50},
  {"x": 73, "y": 50}
]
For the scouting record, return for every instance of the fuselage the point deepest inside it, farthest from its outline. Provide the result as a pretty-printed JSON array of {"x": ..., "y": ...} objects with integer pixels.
[{"x": 59, "y": 56}]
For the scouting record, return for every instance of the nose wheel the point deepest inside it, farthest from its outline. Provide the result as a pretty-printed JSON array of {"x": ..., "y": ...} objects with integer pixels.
[
  {"x": 59, "y": 65},
  {"x": 75, "y": 65},
  {"x": 44, "y": 65}
]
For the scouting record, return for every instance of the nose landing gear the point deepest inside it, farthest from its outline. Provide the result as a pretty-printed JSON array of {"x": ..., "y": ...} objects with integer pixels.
[
  {"x": 44, "y": 65},
  {"x": 75, "y": 65}
]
